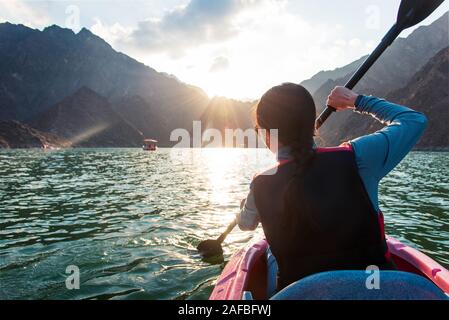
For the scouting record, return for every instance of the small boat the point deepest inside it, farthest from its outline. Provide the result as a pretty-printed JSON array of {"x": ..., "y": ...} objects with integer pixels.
[
  {"x": 418, "y": 277},
  {"x": 149, "y": 145}
]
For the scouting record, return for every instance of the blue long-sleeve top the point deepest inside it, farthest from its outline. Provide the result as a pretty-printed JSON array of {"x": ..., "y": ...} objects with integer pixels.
[{"x": 376, "y": 154}]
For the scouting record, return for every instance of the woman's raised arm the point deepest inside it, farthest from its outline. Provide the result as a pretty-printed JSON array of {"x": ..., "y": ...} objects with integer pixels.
[{"x": 379, "y": 153}]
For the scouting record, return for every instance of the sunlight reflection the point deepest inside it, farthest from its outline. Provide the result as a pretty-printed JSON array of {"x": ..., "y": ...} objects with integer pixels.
[{"x": 220, "y": 164}]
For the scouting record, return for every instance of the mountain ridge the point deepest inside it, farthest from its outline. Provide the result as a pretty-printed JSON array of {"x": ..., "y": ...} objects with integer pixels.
[
  {"x": 46, "y": 70},
  {"x": 40, "y": 68}
]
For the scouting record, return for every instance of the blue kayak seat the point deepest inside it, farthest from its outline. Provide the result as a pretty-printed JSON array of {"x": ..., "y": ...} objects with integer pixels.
[{"x": 352, "y": 285}]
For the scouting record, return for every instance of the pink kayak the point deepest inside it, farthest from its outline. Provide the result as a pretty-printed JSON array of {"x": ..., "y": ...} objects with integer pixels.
[{"x": 246, "y": 273}]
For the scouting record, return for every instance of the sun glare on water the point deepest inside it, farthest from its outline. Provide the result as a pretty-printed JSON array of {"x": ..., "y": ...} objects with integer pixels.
[
  {"x": 223, "y": 169},
  {"x": 220, "y": 164}
]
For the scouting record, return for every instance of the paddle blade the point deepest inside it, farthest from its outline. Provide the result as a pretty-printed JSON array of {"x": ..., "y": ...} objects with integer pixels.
[
  {"x": 210, "y": 248},
  {"x": 412, "y": 12}
]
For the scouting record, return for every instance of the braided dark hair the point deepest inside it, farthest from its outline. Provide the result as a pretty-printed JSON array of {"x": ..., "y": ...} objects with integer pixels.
[{"x": 290, "y": 109}]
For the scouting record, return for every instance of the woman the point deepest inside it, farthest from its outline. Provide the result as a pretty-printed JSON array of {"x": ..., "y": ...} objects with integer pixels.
[{"x": 320, "y": 210}]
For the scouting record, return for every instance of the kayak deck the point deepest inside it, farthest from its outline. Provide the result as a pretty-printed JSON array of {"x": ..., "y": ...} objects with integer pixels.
[{"x": 247, "y": 270}]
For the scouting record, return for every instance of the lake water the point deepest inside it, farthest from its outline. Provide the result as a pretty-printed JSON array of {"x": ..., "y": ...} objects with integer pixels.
[{"x": 130, "y": 220}]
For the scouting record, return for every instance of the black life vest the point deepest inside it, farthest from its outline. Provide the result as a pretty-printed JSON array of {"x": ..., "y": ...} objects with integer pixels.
[{"x": 336, "y": 227}]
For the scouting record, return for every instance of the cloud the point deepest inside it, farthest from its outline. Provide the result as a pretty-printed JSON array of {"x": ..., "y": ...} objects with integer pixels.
[
  {"x": 270, "y": 44},
  {"x": 220, "y": 63},
  {"x": 199, "y": 22},
  {"x": 18, "y": 11}
]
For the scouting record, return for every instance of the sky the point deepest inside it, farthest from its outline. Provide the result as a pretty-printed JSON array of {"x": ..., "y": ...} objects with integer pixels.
[{"x": 232, "y": 48}]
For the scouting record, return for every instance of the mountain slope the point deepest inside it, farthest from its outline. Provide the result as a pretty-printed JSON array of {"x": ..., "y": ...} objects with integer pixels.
[
  {"x": 87, "y": 120},
  {"x": 142, "y": 115},
  {"x": 40, "y": 68},
  {"x": 428, "y": 92},
  {"x": 314, "y": 83},
  {"x": 393, "y": 70}
]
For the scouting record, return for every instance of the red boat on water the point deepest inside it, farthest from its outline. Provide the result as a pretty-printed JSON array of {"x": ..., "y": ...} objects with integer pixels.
[
  {"x": 418, "y": 277},
  {"x": 149, "y": 145}
]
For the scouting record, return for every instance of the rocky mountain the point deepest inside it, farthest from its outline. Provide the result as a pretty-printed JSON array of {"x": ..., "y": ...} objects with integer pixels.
[
  {"x": 14, "y": 134},
  {"x": 40, "y": 68},
  {"x": 143, "y": 116},
  {"x": 428, "y": 92},
  {"x": 87, "y": 119},
  {"x": 390, "y": 73}
]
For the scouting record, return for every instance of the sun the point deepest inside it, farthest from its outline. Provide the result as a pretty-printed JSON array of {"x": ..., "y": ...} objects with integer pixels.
[{"x": 229, "y": 86}]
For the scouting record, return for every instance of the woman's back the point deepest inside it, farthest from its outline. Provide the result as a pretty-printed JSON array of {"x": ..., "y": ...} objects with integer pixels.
[
  {"x": 320, "y": 206},
  {"x": 329, "y": 224}
]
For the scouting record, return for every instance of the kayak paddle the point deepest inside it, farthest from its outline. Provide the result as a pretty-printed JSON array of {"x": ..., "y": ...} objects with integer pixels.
[
  {"x": 212, "y": 248},
  {"x": 411, "y": 12}
]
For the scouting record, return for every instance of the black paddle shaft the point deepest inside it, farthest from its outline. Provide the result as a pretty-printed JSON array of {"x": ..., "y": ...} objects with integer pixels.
[{"x": 411, "y": 12}]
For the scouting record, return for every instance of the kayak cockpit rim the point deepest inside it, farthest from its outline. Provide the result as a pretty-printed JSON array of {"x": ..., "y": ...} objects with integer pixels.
[{"x": 246, "y": 273}]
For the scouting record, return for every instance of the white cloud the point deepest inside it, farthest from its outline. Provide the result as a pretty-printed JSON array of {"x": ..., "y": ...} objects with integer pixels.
[
  {"x": 197, "y": 23},
  {"x": 269, "y": 45},
  {"x": 18, "y": 11}
]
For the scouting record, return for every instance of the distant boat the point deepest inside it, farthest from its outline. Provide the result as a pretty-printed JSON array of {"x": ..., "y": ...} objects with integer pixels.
[{"x": 149, "y": 145}]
